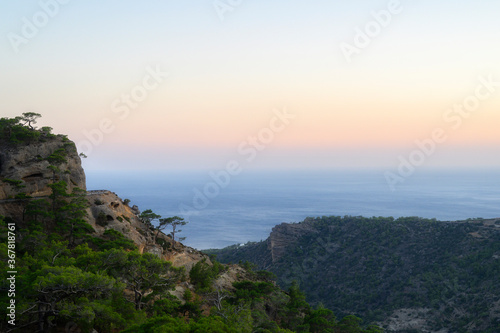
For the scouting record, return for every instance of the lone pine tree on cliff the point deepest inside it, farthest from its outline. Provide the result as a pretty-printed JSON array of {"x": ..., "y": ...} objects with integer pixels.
[
  {"x": 30, "y": 118},
  {"x": 174, "y": 221},
  {"x": 148, "y": 216}
]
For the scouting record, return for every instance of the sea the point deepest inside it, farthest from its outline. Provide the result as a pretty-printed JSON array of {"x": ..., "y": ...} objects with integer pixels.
[{"x": 224, "y": 209}]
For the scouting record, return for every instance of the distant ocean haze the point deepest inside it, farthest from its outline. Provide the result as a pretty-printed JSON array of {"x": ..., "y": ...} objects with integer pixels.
[{"x": 253, "y": 202}]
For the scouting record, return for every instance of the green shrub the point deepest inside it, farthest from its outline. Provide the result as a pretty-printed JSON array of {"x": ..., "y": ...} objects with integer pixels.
[
  {"x": 248, "y": 290},
  {"x": 102, "y": 220},
  {"x": 163, "y": 243},
  {"x": 58, "y": 156},
  {"x": 22, "y": 195},
  {"x": 202, "y": 275},
  {"x": 112, "y": 239},
  {"x": 14, "y": 182},
  {"x": 167, "y": 305}
]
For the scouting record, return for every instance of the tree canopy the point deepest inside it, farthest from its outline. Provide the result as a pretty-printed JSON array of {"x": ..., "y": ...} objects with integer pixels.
[{"x": 30, "y": 118}]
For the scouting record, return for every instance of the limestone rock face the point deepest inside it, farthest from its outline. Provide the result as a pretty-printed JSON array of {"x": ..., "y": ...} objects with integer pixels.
[
  {"x": 185, "y": 256},
  {"x": 285, "y": 234},
  {"x": 234, "y": 273},
  {"x": 107, "y": 211},
  {"x": 29, "y": 164}
]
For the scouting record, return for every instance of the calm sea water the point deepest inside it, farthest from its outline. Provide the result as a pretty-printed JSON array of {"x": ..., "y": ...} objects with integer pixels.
[{"x": 253, "y": 202}]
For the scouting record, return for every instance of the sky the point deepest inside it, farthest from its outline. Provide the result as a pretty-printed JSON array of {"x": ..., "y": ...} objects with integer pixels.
[{"x": 268, "y": 84}]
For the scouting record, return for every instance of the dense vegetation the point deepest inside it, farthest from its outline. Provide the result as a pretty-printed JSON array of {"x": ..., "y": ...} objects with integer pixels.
[
  {"x": 108, "y": 287},
  {"x": 373, "y": 266},
  {"x": 70, "y": 279},
  {"x": 69, "y": 276}
]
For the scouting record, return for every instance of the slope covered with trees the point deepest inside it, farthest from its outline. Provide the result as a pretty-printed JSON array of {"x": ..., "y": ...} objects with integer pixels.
[
  {"x": 441, "y": 275},
  {"x": 106, "y": 284}
]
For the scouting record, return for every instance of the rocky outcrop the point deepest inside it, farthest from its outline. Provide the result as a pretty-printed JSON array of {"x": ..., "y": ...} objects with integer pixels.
[
  {"x": 266, "y": 253},
  {"x": 285, "y": 234},
  {"x": 234, "y": 273},
  {"x": 28, "y": 169},
  {"x": 24, "y": 168},
  {"x": 185, "y": 256},
  {"x": 108, "y": 211}
]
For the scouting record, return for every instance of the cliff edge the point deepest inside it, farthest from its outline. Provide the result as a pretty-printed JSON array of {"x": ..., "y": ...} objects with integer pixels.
[{"x": 25, "y": 168}]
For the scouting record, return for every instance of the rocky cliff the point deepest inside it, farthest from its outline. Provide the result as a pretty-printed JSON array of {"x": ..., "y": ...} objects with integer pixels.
[
  {"x": 284, "y": 235},
  {"x": 108, "y": 211},
  {"x": 25, "y": 168},
  {"x": 28, "y": 168}
]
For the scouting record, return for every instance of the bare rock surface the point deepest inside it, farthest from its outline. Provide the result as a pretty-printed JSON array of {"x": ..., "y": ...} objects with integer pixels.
[
  {"x": 234, "y": 273},
  {"x": 108, "y": 211},
  {"x": 285, "y": 234},
  {"x": 29, "y": 164}
]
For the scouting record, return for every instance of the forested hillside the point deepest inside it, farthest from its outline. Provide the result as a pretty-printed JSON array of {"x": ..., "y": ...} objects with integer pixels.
[{"x": 407, "y": 274}]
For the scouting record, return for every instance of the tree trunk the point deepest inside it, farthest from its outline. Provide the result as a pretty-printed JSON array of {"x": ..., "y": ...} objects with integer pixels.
[
  {"x": 156, "y": 236},
  {"x": 173, "y": 237},
  {"x": 41, "y": 318},
  {"x": 71, "y": 238},
  {"x": 138, "y": 299}
]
